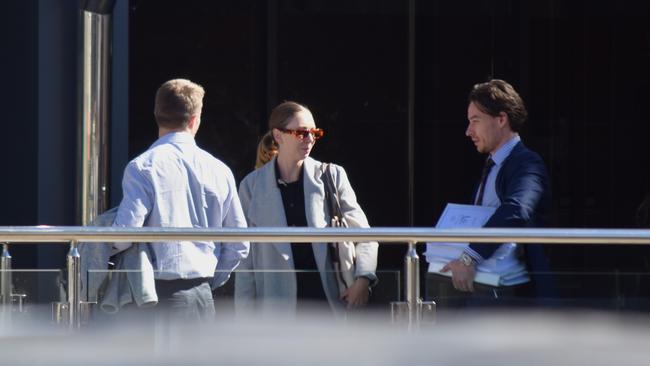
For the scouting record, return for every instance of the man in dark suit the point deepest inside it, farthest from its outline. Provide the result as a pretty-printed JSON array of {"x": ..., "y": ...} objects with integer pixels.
[{"x": 515, "y": 182}]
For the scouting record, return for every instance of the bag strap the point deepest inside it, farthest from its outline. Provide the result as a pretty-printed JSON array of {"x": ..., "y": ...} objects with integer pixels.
[
  {"x": 331, "y": 194},
  {"x": 334, "y": 208}
]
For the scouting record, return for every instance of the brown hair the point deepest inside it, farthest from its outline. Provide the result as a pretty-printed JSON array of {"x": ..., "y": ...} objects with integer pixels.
[
  {"x": 280, "y": 116},
  {"x": 496, "y": 96},
  {"x": 176, "y": 102}
]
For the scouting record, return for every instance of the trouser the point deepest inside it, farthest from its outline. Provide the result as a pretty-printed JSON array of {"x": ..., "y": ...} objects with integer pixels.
[
  {"x": 185, "y": 299},
  {"x": 441, "y": 290}
]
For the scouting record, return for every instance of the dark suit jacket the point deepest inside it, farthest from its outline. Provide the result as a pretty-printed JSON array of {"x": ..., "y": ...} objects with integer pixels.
[{"x": 522, "y": 186}]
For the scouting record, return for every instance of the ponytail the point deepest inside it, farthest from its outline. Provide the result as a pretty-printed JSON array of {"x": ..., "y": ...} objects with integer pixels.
[{"x": 266, "y": 150}]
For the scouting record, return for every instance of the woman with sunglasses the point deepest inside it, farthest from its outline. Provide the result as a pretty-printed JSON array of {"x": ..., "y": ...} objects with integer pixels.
[{"x": 287, "y": 189}]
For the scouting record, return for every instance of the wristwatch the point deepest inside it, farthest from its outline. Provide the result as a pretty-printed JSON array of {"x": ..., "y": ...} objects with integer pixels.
[{"x": 467, "y": 260}]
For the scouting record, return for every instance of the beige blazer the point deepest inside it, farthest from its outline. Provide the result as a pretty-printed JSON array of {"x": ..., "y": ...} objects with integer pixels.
[{"x": 265, "y": 280}]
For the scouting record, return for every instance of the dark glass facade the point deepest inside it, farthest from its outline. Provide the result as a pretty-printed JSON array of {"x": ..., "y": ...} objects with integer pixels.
[{"x": 580, "y": 66}]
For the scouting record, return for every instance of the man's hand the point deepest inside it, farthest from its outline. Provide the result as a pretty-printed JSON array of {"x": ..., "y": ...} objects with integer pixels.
[
  {"x": 462, "y": 276},
  {"x": 357, "y": 294}
]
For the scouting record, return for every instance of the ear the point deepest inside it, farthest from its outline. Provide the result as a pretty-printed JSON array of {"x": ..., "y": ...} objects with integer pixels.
[
  {"x": 502, "y": 119},
  {"x": 193, "y": 121}
]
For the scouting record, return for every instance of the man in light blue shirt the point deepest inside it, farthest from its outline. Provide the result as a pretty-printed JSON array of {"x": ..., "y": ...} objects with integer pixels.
[{"x": 177, "y": 184}]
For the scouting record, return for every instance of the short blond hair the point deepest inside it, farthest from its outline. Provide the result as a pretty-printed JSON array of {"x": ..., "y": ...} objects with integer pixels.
[{"x": 177, "y": 101}]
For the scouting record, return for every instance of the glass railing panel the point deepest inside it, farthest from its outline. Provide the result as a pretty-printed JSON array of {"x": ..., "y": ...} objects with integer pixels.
[
  {"x": 34, "y": 292},
  {"x": 608, "y": 291},
  {"x": 31, "y": 296},
  {"x": 100, "y": 290}
]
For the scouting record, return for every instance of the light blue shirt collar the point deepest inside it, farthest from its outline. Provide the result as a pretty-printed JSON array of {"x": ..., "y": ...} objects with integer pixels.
[{"x": 502, "y": 153}]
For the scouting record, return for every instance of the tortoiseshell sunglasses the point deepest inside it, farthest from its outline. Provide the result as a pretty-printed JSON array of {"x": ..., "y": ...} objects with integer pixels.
[{"x": 302, "y": 134}]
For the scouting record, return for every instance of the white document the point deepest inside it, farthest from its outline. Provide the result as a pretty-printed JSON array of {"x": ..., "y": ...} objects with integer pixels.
[
  {"x": 516, "y": 276},
  {"x": 464, "y": 216},
  {"x": 457, "y": 216},
  {"x": 501, "y": 269},
  {"x": 486, "y": 278}
]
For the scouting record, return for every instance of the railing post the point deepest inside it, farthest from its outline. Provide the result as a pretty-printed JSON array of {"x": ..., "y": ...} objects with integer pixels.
[
  {"x": 412, "y": 273},
  {"x": 413, "y": 311},
  {"x": 74, "y": 281},
  {"x": 5, "y": 288},
  {"x": 5, "y": 276}
]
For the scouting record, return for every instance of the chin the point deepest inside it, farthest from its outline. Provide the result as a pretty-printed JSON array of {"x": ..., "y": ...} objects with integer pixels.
[{"x": 482, "y": 149}]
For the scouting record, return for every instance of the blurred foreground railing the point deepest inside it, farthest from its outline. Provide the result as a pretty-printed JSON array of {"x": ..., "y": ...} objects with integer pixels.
[{"x": 412, "y": 307}]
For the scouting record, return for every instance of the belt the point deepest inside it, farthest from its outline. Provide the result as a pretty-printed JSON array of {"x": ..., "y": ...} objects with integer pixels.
[{"x": 182, "y": 283}]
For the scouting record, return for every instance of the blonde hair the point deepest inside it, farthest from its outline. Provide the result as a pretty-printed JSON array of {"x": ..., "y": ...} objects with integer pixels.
[
  {"x": 266, "y": 150},
  {"x": 177, "y": 101},
  {"x": 280, "y": 116}
]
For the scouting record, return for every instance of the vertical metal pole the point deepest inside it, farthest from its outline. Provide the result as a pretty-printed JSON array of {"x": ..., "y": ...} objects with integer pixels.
[
  {"x": 95, "y": 91},
  {"x": 412, "y": 272},
  {"x": 411, "y": 260},
  {"x": 5, "y": 290},
  {"x": 272, "y": 47},
  {"x": 74, "y": 281},
  {"x": 5, "y": 276},
  {"x": 411, "y": 111}
]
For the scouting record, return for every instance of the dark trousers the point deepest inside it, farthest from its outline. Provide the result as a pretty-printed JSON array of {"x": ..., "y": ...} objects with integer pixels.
[
  {"x": 448, "y": 300},
  {"x": 185, "y": 300}
]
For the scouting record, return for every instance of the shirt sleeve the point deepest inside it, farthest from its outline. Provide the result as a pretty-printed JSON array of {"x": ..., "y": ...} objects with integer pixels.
[
  {"x": 231, "y": 253},
  {"x": 136, "y": 202}
]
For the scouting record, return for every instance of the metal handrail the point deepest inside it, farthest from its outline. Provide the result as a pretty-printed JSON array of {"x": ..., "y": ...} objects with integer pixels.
[
  {"x": 411, "y": 236},
  {"x": 66, "y": 234}
]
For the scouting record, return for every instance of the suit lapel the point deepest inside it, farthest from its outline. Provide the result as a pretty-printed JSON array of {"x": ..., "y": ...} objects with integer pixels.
[
  {"x": 314, "y": 193},
  {"x": 314, "y": 203},
  {"x": 499, "y": 180},
  {"x": 269, "y": 207},
  {"x": 505, "y": 169}
]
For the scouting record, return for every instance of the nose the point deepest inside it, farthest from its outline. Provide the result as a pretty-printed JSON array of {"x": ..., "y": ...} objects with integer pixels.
[
  {"x": 310, "y": 137},
  {"x": 468, "y": 130}
]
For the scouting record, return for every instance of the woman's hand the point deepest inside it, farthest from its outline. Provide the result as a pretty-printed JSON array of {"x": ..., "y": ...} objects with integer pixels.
[{"x": 357, "y": 294}]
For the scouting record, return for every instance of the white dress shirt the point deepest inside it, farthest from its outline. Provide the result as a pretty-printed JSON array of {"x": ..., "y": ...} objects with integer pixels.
[{"x": 177, "y": 184}]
